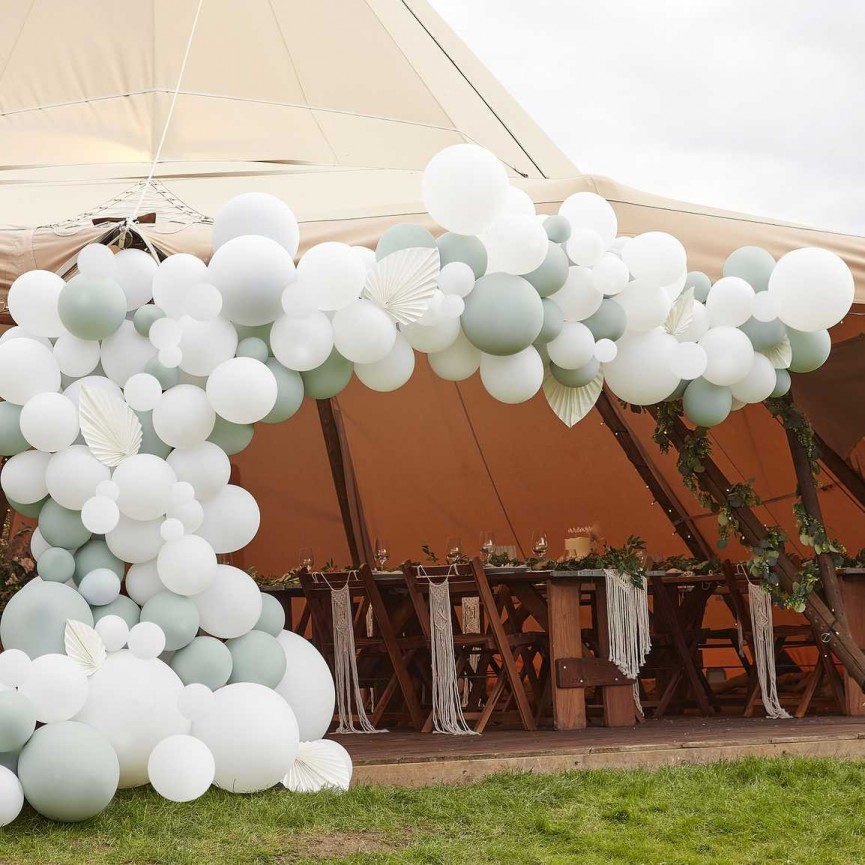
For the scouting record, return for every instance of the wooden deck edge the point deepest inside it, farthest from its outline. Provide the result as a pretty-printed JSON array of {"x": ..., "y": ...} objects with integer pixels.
[{"x": 465, "y": 770}]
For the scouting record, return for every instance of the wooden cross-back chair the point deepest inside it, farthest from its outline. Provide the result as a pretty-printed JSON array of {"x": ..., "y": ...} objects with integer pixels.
[
  {"x": 382, "y": 656},
  {"x": 496, "y": 661}
]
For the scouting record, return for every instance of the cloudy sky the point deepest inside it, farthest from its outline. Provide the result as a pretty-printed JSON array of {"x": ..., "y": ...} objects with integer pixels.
[{"x": 752, "y": 106}]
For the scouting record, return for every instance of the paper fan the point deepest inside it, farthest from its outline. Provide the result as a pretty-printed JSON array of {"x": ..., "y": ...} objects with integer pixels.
[
  {"x": 681, "y": 316},
  {"x": 85, "y": 647},
  {"x": 109, "y": 426},
  {"x": 403, "y": 283},
  {"x": 781, "y": 354},
  {"x": 572, "y": 404},
  {"x": 320, "y": 765}
]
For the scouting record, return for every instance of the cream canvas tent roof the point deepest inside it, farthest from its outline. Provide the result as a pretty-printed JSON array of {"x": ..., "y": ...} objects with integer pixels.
[{"x": 335, "y": 106}]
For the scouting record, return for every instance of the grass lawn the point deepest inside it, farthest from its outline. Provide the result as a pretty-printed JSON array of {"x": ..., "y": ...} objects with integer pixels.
[{"x": 755, "y": 811}]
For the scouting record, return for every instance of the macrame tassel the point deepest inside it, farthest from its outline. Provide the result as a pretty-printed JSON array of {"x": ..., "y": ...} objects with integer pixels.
[
  {"x": 471, "y": 625},
  {"x": 764, "y": 650},
  {"x": 345, "y": 661},
  {"x": 447, "y": 710}
]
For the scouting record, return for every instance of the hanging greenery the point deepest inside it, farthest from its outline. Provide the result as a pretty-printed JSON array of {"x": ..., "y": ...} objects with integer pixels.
[{"x": 793, "y": 419}]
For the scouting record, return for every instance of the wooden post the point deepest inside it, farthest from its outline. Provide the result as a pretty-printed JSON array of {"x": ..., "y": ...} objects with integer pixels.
[{"x": 848, "y": 477}]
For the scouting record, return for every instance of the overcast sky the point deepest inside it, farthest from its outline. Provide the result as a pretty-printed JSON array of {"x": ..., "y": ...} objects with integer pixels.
[{"x": 752, "y": 105}]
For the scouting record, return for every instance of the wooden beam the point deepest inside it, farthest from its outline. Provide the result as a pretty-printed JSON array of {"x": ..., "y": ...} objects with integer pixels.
[
  {"x": 661, "y": 491},
  {"x": 844, "y": 473}
]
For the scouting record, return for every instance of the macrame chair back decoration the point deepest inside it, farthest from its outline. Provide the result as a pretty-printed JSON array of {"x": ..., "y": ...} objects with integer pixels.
[{"x": 764, "y": 650}]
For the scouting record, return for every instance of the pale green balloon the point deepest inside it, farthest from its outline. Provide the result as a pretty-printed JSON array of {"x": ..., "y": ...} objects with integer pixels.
[
  {"x": 9, "y": 759},
  {"x": 31, "y": 510},
  {"x": 95, "y": 554},
  {"x": 576, "y": 377},
  {"x": 55, "y": 565},
  {"x": 122, "y": 606},
  {"x": 405, "y": 236},
  {"x": 503, "y": 315},
  {"x": 465, "y": 248},
  {"x": 810, "y": 350},
  {"x": 35, "y": 618},
  {"x": 558, "y": 228},
  {"x": 91, "y": 308},
  {"x": 69, "y": 771},
  {"x": 701, "y": 284},
  {"x": 166, "y": 376},
  {"x": 782, "y": 383},
  {"x": 543, "y": 351},
  {"x": 176, "y": 615},
  {"x": 253, "y": 347},
  {"x": 150, "y": 441},
  {"x": 609, "y": 321},
  {"x": 144, "y": 317},
  {"x": 61, "y": 527},
  {"x": 328, "y": 379},
  {"x": 205, "y": 661},
  {"x": 678, "y": 392},
  {"x": 11, "y": 440},
  {"x": 272, "y": 618},
  {"x": 258, "y": 331},
  {"x": 231, "y": 437},
  {"x": 707, "y": 404},
  {"x": 553, "y": 322},
  {"x": 289, "y": 392},
  {"x": 256, "y": 657},
  {"x": 17, "y": 720},
  {"x": 751, "y": 263},
  {"x": 764, "y": 334},
  {"x": 553, "y": 272}
]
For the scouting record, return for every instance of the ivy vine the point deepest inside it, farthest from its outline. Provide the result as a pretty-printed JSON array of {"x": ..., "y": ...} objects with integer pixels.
[{"x": 793, "y": 419}]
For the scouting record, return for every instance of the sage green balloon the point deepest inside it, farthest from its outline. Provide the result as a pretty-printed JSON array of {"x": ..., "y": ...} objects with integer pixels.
[
  {"x": 205, "y": 661},
  {"x": 701, "y": 284},
  {"x": 810, "y": 350},
  {"x": 751, "y": 263},
  {"x": 289, "y": 392},
  {"x": 558, "y": 228},
  {"x": 328, "y": 379},
  {"x": 258, "y": 331},
  {"x": 553, "y": 272},
  {"x": 61, "y": 527},
  {"x": 55, "y": 565},
  {"x": 11, "y": 440},
  {"x": 17, "y": 720},
  {"x": 782, "y": 383},
  {"x": 122, "y": 606},
  {"x": 91, "y": 308},
  {"x": 465, "y": 248},
  {"x": 35, "y": 618},
  {"x": 253, "y": 347},
  {"x": 503, "y": 315},
  {"x": 31, "y": 511},
  {"x": 609, "y": 321},
  {"x": 405, "y": 236},
  {"x": 150, "y": 441},
  {"x": 543, "y": 351},
  {"x": 554, "y": 321},
  {"x": 144, "y": 317},
  {"x": 764, "y": 334},
  {"x": 176, "y": 615},
  {"x": 231, "y": 437},
  {"x": 256, "y": 657},
  {"x": 69, "y": 771},
  {"x": 272, "y": 618},
  {"x": 9, "y": 759},
  {"x": 707, "y": 404},
  {"x": 167, "y": 376},
  {"x": 95, "y": 554},
  {"x": 576, "y": 377},
  {"x": 678, "y": 392}
]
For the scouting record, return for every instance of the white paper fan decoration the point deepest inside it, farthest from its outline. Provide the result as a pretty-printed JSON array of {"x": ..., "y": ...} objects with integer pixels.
[
  {"x": 572, "y": 404},
  {"x": 319, "y": 765},
  {"x": 109, "y": 426},
  {"x": 781, "y": 354},
  {"x": 681, "y": 316},
  {"x": 85, "y": 647},
  {"x": 403, "y": 283}
]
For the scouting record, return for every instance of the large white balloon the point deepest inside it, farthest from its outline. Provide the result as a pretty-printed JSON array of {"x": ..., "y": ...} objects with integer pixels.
[
  {"x": 206, "y": 466},
  {"x": 126, "y": 353},
  {"x": 242, "y": 390},
  {"x": 457, "y": 362},
  {"x": 27, "y": 368},
  {"x": 134, "y": 270},
  {"x": 363, "y": 332},
  {"x": 33, "y": 302},
  {"x": 72, "y": 476},
  {"x": 586, "y": 210},
  {"x": 302, "y": 343},
  {"x": 134, "y": 541},
  {"x": 256, "y": 213},
  {"x": 76, "y": 357},
  {"x": 392, "y": 371},
  {"x": 181, "y": 768},
  {"x": 231, "y": 519},
  {"x": 579, "y": 297},
  {"x": 231, "y": 606},
  {"x": 49, "y": 422},
  {"x": 688, "y": 360},
  {"x": 513, "y": 378},
  {"x": 730, "y": 355},
  {"x": 431, "y": 339},
  {"x": 205, "y": 344},
  {"x": 758, "y": 384},
  {"x": 655, "y": 256},
  {"x": 184, "y": 416},
  {"x": 515, "y": 244},
  {"x": 145, "y": 483},
  {"x": 173, "y": 281},
  {"x": 730, "y": 301},
  {"x": 333, "y": 273},
  {"x": 56, "y": 686},
  {"x": 641, "y": 374},
  {"x": 610, "y": 275},
  {"x": 573, "y": 347},
  {"x": 187, "y": 566},
  {"x": 645, "y": 305},
  {"x": 23, "y": 477}
]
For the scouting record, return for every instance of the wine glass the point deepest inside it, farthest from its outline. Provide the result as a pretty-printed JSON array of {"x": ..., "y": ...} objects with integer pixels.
[
  {"x": 307, "y": 558},
  {"x": 540, "y": 544},
  {"x": 381, "y": 552},
  {"x": 488, "y": 545},
  {"x": 454, "y": 550}
]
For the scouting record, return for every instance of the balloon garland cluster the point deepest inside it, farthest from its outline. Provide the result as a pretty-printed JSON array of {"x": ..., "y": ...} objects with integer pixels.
[{"x": 127, "y": 389}]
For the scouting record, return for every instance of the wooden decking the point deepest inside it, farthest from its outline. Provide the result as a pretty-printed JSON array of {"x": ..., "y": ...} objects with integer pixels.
[{"x": 410, "y": 759}]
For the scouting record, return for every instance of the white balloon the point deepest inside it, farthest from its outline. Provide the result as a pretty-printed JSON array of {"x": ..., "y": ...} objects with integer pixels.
[
  {"x": 172, "y": 530},
  {"x": 96, "y": 261},
  {"x": 363, "y": 332},
  {"x": 366, "y": 256},
  {"x": 181, "y": 768},
  {"x": 108, "y": 489},
  {"x": 590, "y": 211},
  {"x": 145, "y": 483},
  {"x": 17, "y": 332},
  {"x": 146, "y": 641},
  {"x": 14, "y": 667},
  {"x": 100, "y": 515},
  {"x": 513, "y": 378},
  {"x": 302, "y": 343},
  {"x": 100, "y": 587},
  {"x": 579, "y": 297},
  {"x": 515, "y": 244},
  {"x": 170, "y": 357},
  {"x": 187, "y": 566},
  {"x": 573, "y": 347},
  {"x": 181, "y": 493},
  {"x": 23, "y": 477},
  {"x": 72, "y": 476},
  {"x": 114, "y": 632},
  {"x": 457, "y": 362},
  {"x": 134, "y": 541},
  {"x": 610, "y": 275},
  {"x": 464, "y": 188},
  {"x": 56, "y": 686},
  {"x": 204, "y": 302},
  {"x": 38, "y": 544},
  {"x": 436, "y": 338},
  {"x": 452, "y": 306},
  {"x": 698, "y": 326},
  {"x": 231, "y": 519},
  {"x": 190, "y": 514},
  {"x": 646, "y": 306},
  {"x": 730, "y": 355},
  {"x": 256, "y": 213},
  {"x": 298, "y": 300},
  {"x": 433, "y": 314},
  {"x": 92, "y": 381},
  {"x": 242, "y": 390},
  {"x": 585, "y": 247},
  {"x": 656, "y": 257},
  {"x": 49, "y": 422},
  {"x": 814, "y": 288},
  {"x": 142, "y": 391},
  {"x": 606, "y": 350},
  {"x": 688, "y": 360},
  {"x": 758, "y": 384},
  {"x": 42, "y": 370},
  {"x": 196, "y": 701},
  {"x": 206, "y": 466},
  {"x": 456, "y": 278},
  {"x": 76, "y": 357},
  {"x": 333, "y": 273},
  {"x": 134, "y": 270},
  {"x": 730, "y": 301},
  {"x": 307, "y": 686},
  {"x": 251, "y": 272},
  {"x": 126, "y": 352},
  {"x": 231, "y": 606},
  {"x": 641, "y": 372},
  {"x": 519, "y": 202},
  {"x": 173, "y": 280},
  {"x": 33, "y": 300},
  {"x": 11, "y": 796},
  {"x": 206, "y": 344},
  {"x": 165, "y": 332},
  {"x": 767, "y": 307},
  {"x": 184, "y": 416},
  {"x": 392, "y": 371},
  {"x": 142, "y": 582}
]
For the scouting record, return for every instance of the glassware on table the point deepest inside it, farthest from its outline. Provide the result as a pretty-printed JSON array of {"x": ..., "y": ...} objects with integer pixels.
[
  {"x": 488, "y": 546},
  {"x": 454, "y": 550},
  {"x": 540, "y": 545},
  {"x": 381, "y": 553},
  {"x": 306, "y": 558}
]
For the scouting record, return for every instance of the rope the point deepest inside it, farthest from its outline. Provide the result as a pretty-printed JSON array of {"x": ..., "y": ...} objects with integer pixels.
[
  {"x": 628, "y": 626},
  {"x": 764, "y": 650}
]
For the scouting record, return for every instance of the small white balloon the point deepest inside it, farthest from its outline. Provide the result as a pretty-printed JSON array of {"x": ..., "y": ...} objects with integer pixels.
[
  {"x": 72, "y": 476},
  {"x": 170, "y": 357},
  {"x": 11, "y": 796},
  {"x": 109, "y": 489},
  {"x": 579, "y": 297},
  {"x": 206, "y": 344},
  {"x": 205, "y": 466},
  {"x": 145, "y": 483},
  {"x": 134, "y": 270},
  {"x": 457, "y": 362},
  {"x": 366, "y": 256},
  {"x": 646, "y": 306},
  {"x": 730, "y": 301},
  {"x": 605, "y": 350},
  {"x": 142, "y": 392},
  {"x": 759, "y": 383},
  {"x": 76, "y": 357},
  {"x": 231, "y": 519},
  {"x": 513, "y": 378},
  {"x": 146, "y": 641},
  {"x": 181, "y": 493},
  {"x": 196, "y": 701},
  {"x": 656, "y": 257},
  {"x": 333, "y": 273},
  {"x": 114, "y": 632},
  {"x": 363, "y": 332},
  {"x": 172, "y": 529},
  {"x": 688, "y": 360},
  {"x": 573, "y": 347},
  {"x": 242, "y": 390},
  {"x": 174, "y": 279},
  {"x": 298, "y": 300},
  {"x": 49, "y": 422},
  {"x": 23, "y": 477},
  {"x": 96, "y": 261},
  {"x": 610, "y": 275},
  {"x": 56, "y": 686},
  {"x": 438, "y": 337},
  {"x": 135, "y": 541},
  {"x": 516, "y": 244},
  {"x": 14, "y": 667},
  {"x": 165, "y": 333},
  {"x": 100, "y": 515},
  {"x": 453, "y": 306},
  {"x": 184, "y": 417},
  {"x": 303, "y": 343},
  {"x": 43, "y": 370},
  {"x": 187, "y": 565},
  {"x": 392, "y": 371},
  {"x": 256, "y": 213},
  {"x": 767, "y": 307},
  {"x": 730, "y": 355},
  {"x": 586, "y": 210},
  {"x": 33, "y": 300},
  {"x": 204, "y": 302},
  {"x": 456, "y": 278},
  {"x": 585, "y": 247}
]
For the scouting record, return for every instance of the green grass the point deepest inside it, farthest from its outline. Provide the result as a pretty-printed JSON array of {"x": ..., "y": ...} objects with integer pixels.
[{"x": 763, "y": 812}]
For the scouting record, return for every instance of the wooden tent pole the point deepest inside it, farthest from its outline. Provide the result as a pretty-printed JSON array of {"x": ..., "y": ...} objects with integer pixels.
[
  {"x": 680, "y": 520},
  {"x": 848, "y": 477}
]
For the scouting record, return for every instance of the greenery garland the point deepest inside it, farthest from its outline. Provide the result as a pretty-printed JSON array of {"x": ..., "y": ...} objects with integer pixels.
[{"x": 793, "y": 419}]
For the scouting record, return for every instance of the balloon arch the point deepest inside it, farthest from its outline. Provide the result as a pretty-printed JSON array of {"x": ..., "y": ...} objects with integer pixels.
[{"x": 127, "y": 388}]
